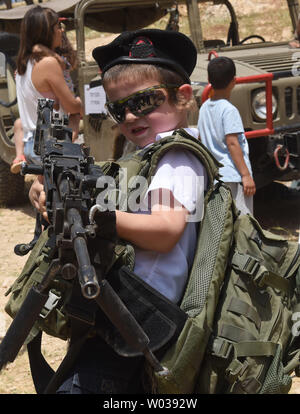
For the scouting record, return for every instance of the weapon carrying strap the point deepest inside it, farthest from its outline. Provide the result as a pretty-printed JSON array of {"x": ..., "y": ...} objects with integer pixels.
[
  {"x": 80, "y": 332},
  {"x": 45, "y": 379},
  {"x": 82, "y": 317}
]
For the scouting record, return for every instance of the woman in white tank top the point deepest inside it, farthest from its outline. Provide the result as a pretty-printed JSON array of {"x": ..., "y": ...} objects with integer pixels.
[{"x": 43, "y": 78}]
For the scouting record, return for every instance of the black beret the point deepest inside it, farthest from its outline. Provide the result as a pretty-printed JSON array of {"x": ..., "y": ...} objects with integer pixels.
[{"x": 153, "y": 46}]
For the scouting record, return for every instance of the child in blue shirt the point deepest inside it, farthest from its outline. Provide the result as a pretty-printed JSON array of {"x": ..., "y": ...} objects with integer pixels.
[{"x": 222, "y": 132}]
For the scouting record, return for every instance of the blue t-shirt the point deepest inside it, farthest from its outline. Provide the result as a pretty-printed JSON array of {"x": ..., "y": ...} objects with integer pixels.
[{"x": 218, "y": 118}]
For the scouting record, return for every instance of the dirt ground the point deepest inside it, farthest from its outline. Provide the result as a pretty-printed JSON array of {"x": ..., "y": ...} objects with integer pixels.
[
  {"x": 275, "y": 210},
  {"x": 16, "y": 226}
]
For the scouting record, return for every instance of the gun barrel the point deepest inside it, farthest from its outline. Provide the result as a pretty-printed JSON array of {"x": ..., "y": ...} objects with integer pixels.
[{"x": 86, "y": 273}]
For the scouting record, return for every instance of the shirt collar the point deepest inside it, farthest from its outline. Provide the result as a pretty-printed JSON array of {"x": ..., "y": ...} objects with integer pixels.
[{"x": 192, "y": 131}]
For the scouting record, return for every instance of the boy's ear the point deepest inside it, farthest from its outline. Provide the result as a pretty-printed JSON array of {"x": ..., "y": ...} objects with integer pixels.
[{"x": 186, "y": 91}]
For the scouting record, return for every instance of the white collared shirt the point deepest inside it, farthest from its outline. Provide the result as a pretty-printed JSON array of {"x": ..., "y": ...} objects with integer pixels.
[{"x": 183, "y": 174}]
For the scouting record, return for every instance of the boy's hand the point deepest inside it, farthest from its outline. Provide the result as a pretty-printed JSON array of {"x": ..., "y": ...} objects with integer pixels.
[{"x": 248, "y": 185}]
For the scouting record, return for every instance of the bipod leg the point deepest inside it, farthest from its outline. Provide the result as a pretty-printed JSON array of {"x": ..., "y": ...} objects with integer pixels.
[{"x": 26, "y": 317}]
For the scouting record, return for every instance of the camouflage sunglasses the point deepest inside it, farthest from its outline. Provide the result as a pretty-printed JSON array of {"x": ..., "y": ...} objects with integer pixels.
[{"x": 140, "y": 103}]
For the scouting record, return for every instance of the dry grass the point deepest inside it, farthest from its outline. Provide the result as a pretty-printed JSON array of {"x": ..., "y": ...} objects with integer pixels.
[{"x": 215, "y": 20}]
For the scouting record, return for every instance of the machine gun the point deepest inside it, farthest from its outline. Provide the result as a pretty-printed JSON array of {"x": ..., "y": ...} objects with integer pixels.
[{"x": 70, "y": 177}]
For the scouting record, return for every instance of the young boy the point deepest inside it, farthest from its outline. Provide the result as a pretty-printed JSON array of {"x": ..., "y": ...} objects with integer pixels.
[
  {"x": 222, "y": 132},
  {"x": 146, "y": 78}
]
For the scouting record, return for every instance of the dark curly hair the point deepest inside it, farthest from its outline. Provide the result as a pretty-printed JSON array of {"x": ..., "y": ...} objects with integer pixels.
[{"x": 221, "y": 71}]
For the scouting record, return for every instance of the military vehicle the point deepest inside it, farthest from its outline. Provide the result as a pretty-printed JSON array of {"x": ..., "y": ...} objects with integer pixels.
[
  {"x": 267, "y": 94},
  {"x": 271, "y": 119}
]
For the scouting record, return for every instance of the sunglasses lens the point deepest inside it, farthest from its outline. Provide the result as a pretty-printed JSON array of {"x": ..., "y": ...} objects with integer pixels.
[
  {"x": 146, "y": 102},
  {"x": 140, "y": 104},
  {"x": 116, "y": 111}
]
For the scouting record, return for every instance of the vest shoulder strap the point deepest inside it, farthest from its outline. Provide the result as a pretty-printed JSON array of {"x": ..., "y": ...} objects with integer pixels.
[{"x": 143, "y": 162}]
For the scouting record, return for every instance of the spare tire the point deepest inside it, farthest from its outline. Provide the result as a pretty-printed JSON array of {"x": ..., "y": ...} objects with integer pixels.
[{"x": 12, "y": 186}]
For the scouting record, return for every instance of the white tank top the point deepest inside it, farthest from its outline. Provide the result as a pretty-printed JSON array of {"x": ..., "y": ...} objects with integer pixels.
[{"x": 28, "y": 96}]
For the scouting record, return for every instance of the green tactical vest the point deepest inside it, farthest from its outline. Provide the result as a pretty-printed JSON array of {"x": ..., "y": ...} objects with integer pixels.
[
  {"x": 242, "y": 299},
  {"x": 143, "y": 162}
]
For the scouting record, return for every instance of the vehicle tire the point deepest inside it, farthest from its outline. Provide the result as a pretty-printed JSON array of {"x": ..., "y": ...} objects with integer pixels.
[
  {"x": 12, "y": 186},
  {"x": 9, "y": 43}
]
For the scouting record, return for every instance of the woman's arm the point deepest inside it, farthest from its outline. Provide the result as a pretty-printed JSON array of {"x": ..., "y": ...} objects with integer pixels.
[{"x": 47, "y": 76}]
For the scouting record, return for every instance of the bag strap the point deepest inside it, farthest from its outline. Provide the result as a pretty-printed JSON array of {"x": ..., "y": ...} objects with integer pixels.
[
  {"x": 260, "y": 275},
  {"x": 45, "y": 379},
  {"x": 225, "y": 349},
  {"x": 181, "y": 139},
  {"x": 82, "y": 314},
  {"x": 276, "y": 252},
  {"x": 80, "y": 331},
  {"x": 41, "y": 371}
]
